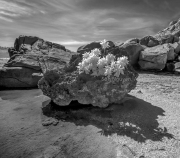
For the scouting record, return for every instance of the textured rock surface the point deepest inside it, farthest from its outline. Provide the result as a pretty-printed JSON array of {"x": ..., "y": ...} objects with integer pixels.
[
  {"x": 67, "y": 84},
  {"x": 91, "y": 46},
  {"x": 149, "y": 41},
  {"x": 19, "y": 77},
  {"x": 133, "y": 50},
  {"x": 26, "y": 55},
  {"x": 153, "y": 58}
]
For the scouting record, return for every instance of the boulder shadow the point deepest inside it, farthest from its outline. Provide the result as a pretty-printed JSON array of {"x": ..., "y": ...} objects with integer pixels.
[{"x": 134, "y": 118}]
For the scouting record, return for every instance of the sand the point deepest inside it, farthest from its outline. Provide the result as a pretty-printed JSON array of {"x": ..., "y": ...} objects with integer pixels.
[{"x": 147, "y": 124}]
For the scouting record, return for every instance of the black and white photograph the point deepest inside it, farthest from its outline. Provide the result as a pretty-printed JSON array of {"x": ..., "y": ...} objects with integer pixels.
[{"x": 89, "y": 78}]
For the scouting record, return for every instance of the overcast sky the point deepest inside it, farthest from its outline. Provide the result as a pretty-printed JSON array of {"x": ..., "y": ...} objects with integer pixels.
[{"x": 76, "y": 22}]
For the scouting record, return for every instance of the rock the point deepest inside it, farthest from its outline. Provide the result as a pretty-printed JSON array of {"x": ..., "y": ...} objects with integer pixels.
[
  {"x": 153, "y": 58},
  {"x": 133, "y": 51},
  {"x": 147, "y": 65},
  {"x": 28, "y": 61},
  {"x": 69, "y": 85},
  {"x": 91, "y": 46},
  {"x": 176, "y": 47},
  {"x": 149, "y": 41},
  {"x": 177, "y": 65},
  {"x": 25, "y": 47},
  {"x": 35, "y": 54},
  {"x": 171, "y": 55},
  {"x": 29, "y": 55},
  {"x": 169, "y": 34},
  {"x": 172, "y": 22},
  {"x": 170, "y": 67},
  {"x": 24, "y": 40},
  {"x": 11, "y": 51},
  {"x": 178, "y": 58},
  {"x": 167, "y": 39},
  {"x": 132, "y": 40},
  {"x": 19, "y": 77}
]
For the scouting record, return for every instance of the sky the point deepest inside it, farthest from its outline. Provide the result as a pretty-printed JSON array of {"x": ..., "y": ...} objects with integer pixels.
[{"x": 74, "y": 23}]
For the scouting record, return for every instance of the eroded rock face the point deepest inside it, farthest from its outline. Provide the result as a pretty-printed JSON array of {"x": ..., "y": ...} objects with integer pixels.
[
  {"x": 149, "y": 41},
  {"x": 25, "y": 59},
  {"x": 153, "y": 58},
  {"x": 19, "y": 77},
  {"x": 66, "y": 84},
  {"x": 133, "y": 50}
]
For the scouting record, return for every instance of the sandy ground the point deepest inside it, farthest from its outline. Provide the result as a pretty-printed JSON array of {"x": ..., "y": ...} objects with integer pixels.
[{"x": 147, "y": 124}]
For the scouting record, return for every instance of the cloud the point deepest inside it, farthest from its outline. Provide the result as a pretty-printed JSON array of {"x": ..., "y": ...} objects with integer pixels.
[
  {"x": 75, "y": 22},
  {"x": 6, "y": 19}
]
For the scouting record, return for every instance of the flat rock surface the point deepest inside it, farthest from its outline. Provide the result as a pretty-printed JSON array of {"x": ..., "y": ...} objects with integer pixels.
[{"x": 145, "y": 125}]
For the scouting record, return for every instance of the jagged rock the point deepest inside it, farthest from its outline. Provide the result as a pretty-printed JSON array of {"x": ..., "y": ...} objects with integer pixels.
[
  {"x": 172, "y": 22},
  {"x": 133, "y": 51},
  {"x": 170, "y": 67},
  {"x": 153, "y": 58},
  {"x": 177, "y": 65},
  {"x": 30, "y": 40},
  {"x": 149, "y": 41},
  {"x": 67, "y": 84},
  {"x": 31, "y": 48},
  {"x": 132, "y": 40},
  {"x": 19, "y": 77},
  {"x": 176, "y": 47},
  {"x": 11, "y": 51},
  {"x": 173, "y": 66},
  {"x": 171, "y": 55},
  {"x": 169, "y": 34},
  {"x": 27, "y": 53},
  {"x": 91, "y": 46}
]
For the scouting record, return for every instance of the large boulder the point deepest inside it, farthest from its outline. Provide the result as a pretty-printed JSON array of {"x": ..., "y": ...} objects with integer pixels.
[
  {"x": 132, "y": 40},
  {"x": 171, "y": 55},
  {"x": 153, "y": 58},
  {"x": 19, "y": 77},
  {"x": 176, "y": 47},
  {"x": 133, "y": 50},
  {"x": 149, "y": 41},
  {"x": 68, "y": 84},
  {"x": 28, "y": 55},
  {"x": 30, "y": 49}
]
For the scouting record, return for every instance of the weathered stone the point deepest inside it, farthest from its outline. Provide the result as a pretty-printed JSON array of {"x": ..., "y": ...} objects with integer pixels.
[
  {"x": 28, "y": 55},
  {"x": 172, "y": 22},
  {"x": 147, "y": 65},
  {"x": 66, "y": 84},
  {"x": 19, "y": 77},
  {"x": 133, "y": 51},
  {"x": 171, "y": 55},
  {"x": 149, "y": 41},
  {"x": 170, "y": 67},
  {"x": 31, "y": 53},
  {"x": 153, "y": 58},
  {"x": 28, "y": 61},
  {"x": 177, "y": 65},
  {"x": 132, "y": 40},
  {"x": 91, "y": 46},
  {"x": 176, "y": 47}
]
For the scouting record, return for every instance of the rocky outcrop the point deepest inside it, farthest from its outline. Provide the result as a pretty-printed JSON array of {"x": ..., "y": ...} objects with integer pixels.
[
  {"x": 26, "y": 56},
  {"x": 93, "y": 45},
  {"x": 19, "y": 77},
  {"x": 67, "y": 84},
  {"x": 149, "y": 41},
  {"x": 133, "y": 50},
  {"x": 153, "y": 58}
]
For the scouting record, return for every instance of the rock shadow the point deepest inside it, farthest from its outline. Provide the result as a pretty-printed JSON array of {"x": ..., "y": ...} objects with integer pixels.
[{"x": 134, "y": 118}]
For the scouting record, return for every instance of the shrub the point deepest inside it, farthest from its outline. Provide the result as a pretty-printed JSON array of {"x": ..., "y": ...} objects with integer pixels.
[{"x": 107, "y": 66}]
